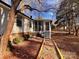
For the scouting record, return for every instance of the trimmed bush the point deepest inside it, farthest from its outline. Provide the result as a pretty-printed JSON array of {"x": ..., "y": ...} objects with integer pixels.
[
  {"x": 18, "y": 40},
  {"x": 26, "y": 36},
  {"x": 39, "y": 35}
]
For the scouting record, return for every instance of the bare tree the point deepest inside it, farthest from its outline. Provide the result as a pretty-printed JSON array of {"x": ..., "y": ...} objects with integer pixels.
[
  {"x": 5, "y": 37},
  {"x": 69, "y": 8}
]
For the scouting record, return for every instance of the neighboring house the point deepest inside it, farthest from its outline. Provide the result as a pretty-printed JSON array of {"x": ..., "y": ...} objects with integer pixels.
[{"x": 42, "y": 26}]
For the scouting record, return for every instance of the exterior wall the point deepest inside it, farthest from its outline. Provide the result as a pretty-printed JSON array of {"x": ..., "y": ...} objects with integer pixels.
[
  {"x": 26, "y": 25},
  {"x": 31, "y": 26},
  {"x": 24, "y": 28},
  {"x": 3, "y": 18},
  {"x": 3, "y": 21},
  {"x": 17, "y": 29}
]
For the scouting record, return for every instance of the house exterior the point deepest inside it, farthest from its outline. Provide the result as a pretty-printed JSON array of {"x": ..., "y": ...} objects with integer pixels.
[{"x": 21, "y": 24}]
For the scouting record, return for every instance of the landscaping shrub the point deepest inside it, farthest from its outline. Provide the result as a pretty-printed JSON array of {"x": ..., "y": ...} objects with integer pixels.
[
  {"x": 18, "y": 40},
  {"x": 39, "y": 35},
  {"x": 26, "y": 36},
  {"x": 10, "y": 46}
]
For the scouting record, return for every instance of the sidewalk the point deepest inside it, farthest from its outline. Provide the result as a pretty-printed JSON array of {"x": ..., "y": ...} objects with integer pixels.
[{"x": 47, "y": 51}]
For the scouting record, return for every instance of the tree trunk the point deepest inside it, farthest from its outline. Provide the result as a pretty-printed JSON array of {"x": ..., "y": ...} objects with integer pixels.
[
  {"x": 76, "y": 31},
  {"x": 69, "y": 30},
  {"x": 5, "y": 37}
]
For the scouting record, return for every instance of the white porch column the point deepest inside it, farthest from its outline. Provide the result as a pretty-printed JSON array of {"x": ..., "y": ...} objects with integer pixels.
[
  {"x": 34, "y": 26},
  {"x": 44, "y": 28},
  {"x": 32, "y": 29},
  {"x": 37, "y": 26},
  {"x": 26, "y": 25},
  {"x": 50, "y": 30}
]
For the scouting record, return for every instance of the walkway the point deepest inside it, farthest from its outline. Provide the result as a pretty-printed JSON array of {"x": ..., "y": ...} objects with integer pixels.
[{"x": 47, "y": 51}]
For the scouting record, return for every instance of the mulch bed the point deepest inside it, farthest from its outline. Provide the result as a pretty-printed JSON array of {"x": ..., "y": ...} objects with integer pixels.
[{"x": 26, "y": 50}]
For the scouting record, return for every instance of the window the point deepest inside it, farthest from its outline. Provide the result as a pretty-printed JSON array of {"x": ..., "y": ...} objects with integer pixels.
[
  {"x": 47, "y": 25},
  {"x": 19, "y": 21}
]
